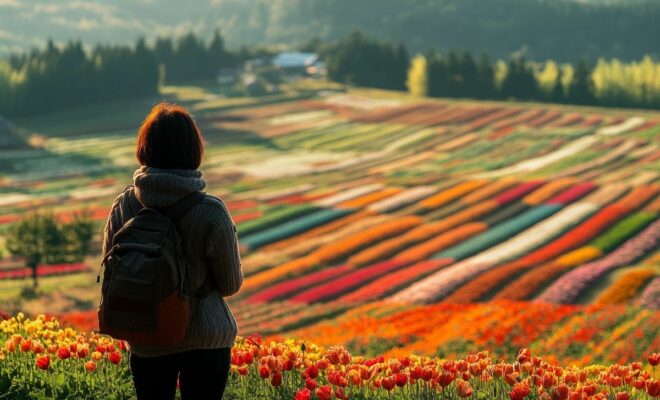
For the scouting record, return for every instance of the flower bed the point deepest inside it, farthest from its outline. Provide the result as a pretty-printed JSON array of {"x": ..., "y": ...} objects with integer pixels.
[
  {"x": 571, "y": 285},
  {"x": 43, "y": 270}
]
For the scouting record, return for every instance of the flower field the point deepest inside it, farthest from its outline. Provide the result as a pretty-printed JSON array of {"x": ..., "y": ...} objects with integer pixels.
[
  {"x": 396, "y": 227},
  {"x": 56, "y": 362}
]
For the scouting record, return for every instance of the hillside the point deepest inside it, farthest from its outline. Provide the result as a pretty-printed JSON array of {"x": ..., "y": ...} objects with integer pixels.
[
  {"x": 350, "y": 202},
  {"x": 562, "y": 29}
]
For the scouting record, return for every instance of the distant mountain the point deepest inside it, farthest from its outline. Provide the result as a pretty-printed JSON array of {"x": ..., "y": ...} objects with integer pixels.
[{"x": 559, "y": 29}]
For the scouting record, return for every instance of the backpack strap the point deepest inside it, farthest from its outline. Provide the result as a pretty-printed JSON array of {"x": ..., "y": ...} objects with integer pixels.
[{"x": 176, "y": 212}]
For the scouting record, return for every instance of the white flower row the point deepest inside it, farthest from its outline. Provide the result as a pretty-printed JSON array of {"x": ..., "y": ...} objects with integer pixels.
[
  {"x": 543, "y": 161},
  {"x": 627, "y": 125},
  {"x": 349, "y": 194},
  {"x": 443, "y": 282},
  {"x": 406, "y": 197}
]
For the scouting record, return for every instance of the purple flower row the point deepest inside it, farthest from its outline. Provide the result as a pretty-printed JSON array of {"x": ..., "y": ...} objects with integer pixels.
[
  {"x": 569, "y": 287},
  {"x": 650, "y": 297}
]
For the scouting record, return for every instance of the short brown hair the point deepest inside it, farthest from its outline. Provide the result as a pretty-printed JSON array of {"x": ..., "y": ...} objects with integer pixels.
[{"x": 169, "y": 138}]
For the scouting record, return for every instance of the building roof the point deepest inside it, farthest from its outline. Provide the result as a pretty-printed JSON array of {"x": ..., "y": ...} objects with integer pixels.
[{"x": 295, "y": 59}]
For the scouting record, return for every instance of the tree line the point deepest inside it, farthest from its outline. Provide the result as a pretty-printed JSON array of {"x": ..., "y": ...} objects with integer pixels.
[
  {"x": 364, "y": 61},
  {"x": 57, "y": 78}
]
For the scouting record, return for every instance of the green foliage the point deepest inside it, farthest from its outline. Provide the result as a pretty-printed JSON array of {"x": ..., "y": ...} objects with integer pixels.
[
  {"x": 58, "y": 78},
  {"x": 581, "y": 89},
  {"x": 41, "y": 239},
  {"x": 359, "y": 60}
]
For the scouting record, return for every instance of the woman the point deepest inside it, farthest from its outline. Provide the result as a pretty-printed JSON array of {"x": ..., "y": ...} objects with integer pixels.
[{"x": 169, "y": 150}]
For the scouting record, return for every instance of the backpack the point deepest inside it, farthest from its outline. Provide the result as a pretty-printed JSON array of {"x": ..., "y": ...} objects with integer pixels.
[{"x": 144, "y": 298}]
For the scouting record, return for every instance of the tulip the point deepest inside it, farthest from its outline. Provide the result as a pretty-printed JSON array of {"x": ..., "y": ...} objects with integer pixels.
[
  {"x": 324, "y": 393},
  {"x": 310, "y": 384},
  {"x": 276, "y": 379},
  {"x": 560, "y": 392},
  {"x": 622, "y": 396},
  {"x": 400, "y": 379},
  {"x": 264, "y": 372},
  {"x": 387, "y": 383},
  {"x": 63, "y": 353},
  {"x": 90, "y": 366},
  {"x": 303, "y": 394},
  {"x": 520, "y": 391},
  {"x": 445, "y": 379},
  {"x": 339, "y": 393},
  {"x": 114, "y": 357},
  {"x": 464, "y": 388},
  {"x": 37, "y": 347},
  {"x": 524, "y": 355},
  {"x": 654, "y": 359},
  {"x": 97, "y": 356},
  {"x": 43, "y": 362},
  {"x": 653, "y": 388}
]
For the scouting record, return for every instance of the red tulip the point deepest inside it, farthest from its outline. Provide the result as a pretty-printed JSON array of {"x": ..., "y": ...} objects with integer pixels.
[
  {"x": 26, "y": 345},
  {"x": 654, "y": 359},
  {"x": 387, "y": 383},
  {"x": 560, "y": 392},
  {"x": 242, "y": 370},
  {"x": 82, "y": 352},
  {"x": 622, "y": 396},
  {"x": 312, "y": 371},
  {"x": 446, "y": 378},
  {"x": 114, "y": 357},
  {"x": 322, "y": 364},
  {"x": 400, "y": 379},
  {"x": 616, "y": 381},
  {"x": 339, "y": 393},
  {"x": 524, "y": 355},
  {"x": 303, "y": 394},
  {"x": 264, "y": 372},
  {"x": 43, "y": 362},
  {"x": 464, "y": 388},
  {"x": 324, "y": 393},
  {"x": 63, "y": 353},
  {"x": 416, "y": 372},
  {"x": 653, "y": 388},
  {"x": 590, "y": 390},
  {"x": 310, "y": 383},
  {"x": 276, "y": 379}
]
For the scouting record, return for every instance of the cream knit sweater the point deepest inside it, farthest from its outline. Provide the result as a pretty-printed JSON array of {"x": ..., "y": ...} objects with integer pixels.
[{"x": 210, "y": 241}]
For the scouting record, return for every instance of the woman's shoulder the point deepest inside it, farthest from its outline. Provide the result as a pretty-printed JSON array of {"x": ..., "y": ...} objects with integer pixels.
[{"x": 215, "y": 206}]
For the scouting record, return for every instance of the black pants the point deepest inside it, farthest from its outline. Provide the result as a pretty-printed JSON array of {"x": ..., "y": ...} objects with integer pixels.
[{"x": 202, "y": 375}]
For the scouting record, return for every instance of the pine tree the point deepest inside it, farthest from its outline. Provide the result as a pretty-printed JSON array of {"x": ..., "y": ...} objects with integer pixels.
[
  {"x": 581, "y": 90},
  {"x": 557, "y": 95}
]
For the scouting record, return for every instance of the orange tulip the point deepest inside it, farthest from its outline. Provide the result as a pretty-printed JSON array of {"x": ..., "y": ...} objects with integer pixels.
[
  {"x": 90, "y": 366},
  {"x": 464, "y": 388}
]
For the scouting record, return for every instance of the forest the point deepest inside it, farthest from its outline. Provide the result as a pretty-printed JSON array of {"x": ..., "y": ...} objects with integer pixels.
[{"x": 59, "y": 77}]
